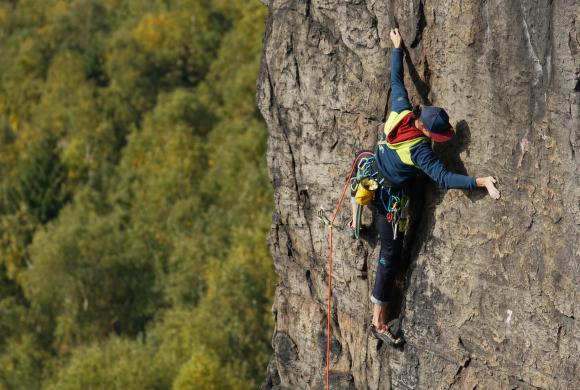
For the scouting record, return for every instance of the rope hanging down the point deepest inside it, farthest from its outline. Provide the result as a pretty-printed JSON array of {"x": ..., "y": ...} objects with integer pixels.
[{"x": 346, "y": 186}]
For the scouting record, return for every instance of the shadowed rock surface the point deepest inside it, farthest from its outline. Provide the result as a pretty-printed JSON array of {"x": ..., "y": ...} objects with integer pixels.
[{"x": 490, "y": 296}]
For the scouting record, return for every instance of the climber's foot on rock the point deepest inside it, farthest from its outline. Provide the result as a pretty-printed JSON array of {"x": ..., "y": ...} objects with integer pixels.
[{"x": 383, "y": 333}]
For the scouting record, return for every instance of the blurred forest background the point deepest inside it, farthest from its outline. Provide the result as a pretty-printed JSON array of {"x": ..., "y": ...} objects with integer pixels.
[{"x": 134, "y": 197}]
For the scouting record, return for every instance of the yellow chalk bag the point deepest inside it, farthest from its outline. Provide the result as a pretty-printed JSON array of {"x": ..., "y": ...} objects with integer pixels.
[{"x": 365, "y": 191}]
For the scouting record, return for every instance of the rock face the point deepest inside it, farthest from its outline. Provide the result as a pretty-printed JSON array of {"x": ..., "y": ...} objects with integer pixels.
[{"x": 490, "y": 295}]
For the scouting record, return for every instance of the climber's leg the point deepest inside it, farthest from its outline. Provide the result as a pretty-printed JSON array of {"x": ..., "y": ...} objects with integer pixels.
[
  {"x": 387, "y": 269},
  {"x": 379, "y": 314},
  {"x": 354, "y": 207}
]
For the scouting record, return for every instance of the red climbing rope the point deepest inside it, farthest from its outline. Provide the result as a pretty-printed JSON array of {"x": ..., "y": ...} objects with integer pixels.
[{"x": 354, "y": 164}]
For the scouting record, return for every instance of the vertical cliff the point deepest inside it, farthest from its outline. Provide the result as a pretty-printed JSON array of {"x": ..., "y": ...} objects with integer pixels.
[{"x": 490, "y": 297}]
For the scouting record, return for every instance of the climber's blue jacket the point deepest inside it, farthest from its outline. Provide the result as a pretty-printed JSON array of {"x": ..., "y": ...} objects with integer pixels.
[{"x": 403, "y": 149}]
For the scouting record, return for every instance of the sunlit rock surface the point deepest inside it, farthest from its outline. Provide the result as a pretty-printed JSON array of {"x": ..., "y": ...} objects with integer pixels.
[{"x": 490, "y": 296}]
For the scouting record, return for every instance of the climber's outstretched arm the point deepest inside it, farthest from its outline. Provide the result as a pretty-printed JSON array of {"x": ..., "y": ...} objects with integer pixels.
[{"x": 399, "y": 98}]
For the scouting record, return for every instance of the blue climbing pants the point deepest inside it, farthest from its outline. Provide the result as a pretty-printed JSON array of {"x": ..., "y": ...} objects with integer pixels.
[{"x": 390, "y": 261}]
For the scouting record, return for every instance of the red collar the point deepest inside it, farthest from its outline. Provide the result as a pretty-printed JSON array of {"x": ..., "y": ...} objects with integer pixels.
[{"x": 404, "y": 131}]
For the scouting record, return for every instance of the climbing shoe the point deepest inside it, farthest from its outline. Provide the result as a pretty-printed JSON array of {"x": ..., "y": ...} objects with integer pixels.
[{"x": 384, "y": 334}]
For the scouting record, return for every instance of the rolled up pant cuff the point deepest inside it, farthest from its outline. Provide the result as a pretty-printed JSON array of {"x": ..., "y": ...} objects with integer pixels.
[{"x": 378, "y": 302}]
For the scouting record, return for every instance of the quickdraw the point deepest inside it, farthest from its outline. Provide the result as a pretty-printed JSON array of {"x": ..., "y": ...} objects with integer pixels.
[{"x": 397, "y": 209}]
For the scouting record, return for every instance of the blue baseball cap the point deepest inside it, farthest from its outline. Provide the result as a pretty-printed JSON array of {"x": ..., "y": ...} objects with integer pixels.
[{"x": 436, "y": 121}]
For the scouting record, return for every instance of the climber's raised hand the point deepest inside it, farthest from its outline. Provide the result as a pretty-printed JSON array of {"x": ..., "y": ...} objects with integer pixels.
[
  {"x": 396, "y": 37},
  {"x": 489, "y": 183}
]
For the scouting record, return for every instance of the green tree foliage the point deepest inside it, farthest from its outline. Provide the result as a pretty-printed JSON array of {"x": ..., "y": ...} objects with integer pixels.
[
  {"x": 203, "y": 371},
  {"x": 135, "y": 202},
  {"x": 91, "y": 276},
  {"x": 115, "y": 364}
]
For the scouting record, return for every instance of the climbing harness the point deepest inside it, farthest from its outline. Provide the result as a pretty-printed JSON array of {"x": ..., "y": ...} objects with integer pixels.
[
  {"x": 397, "y": 209},
  {"x": 365, "y": 185}
]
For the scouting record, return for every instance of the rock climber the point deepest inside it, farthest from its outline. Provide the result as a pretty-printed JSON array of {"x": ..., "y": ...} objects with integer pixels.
[{"x": 404, "y": 149}]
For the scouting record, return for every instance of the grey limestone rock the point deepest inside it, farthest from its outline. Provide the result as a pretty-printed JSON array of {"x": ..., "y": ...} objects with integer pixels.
[{"x": 489, "y": 297}]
